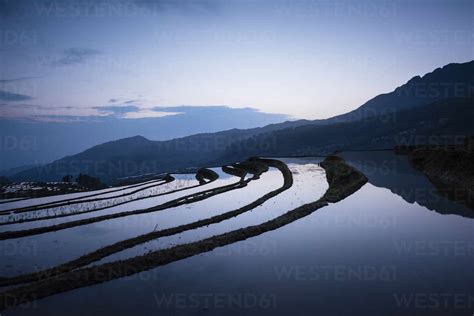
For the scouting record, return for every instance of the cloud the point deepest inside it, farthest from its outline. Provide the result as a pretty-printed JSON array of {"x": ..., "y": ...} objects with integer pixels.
[
  {"x": 131, "y": 101},
  {"x": 13, "y": 97},
  {"x": 74, "y": 56},
  {"x": 148, "y": 114},
  {"x": 37, "y": 112},
  {"x": 117, "y": 109},
  {"x": 121, "y": 100},
  {"x": 189, "y": 109},
  {"x": 2, "y": 81},
  {"x": 130, "y": 112},
  {"x": 180, "y": 117},
  {"x": 220, "y": 112}
]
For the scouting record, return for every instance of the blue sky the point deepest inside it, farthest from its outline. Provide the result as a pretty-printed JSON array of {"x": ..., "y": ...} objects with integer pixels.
[{"x": 307, "y": 59}]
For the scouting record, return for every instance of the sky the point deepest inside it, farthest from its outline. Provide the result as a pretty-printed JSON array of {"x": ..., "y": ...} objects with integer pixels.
[{"x": 306, "y": 59}]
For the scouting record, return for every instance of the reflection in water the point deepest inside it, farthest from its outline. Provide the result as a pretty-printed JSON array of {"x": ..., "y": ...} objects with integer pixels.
[
  {"x": 394, "y": 172},
  {"x": 370, "y": 254}
]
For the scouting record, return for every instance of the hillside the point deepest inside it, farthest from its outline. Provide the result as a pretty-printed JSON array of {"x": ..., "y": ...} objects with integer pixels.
[
  {"x": 442, "y": 122},
  {"x": 43, "y": 139},
  {"x": 451, "y": 81},
  {"x": 138, "y": 155}
]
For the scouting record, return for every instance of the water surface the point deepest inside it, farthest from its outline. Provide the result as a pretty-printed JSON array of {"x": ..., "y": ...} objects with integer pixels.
[{"x": 395, "y": 247}]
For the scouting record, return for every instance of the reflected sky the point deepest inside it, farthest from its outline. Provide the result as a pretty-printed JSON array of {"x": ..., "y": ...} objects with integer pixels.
[{"x": 373, "y": 251}]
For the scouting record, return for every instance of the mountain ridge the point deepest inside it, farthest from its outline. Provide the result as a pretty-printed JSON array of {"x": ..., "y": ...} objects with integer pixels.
[{"x": 204, "y": 148}]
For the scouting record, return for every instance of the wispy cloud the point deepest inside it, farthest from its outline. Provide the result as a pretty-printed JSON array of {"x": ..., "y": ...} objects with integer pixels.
[
  {"x": 147, "y": 113},
  {"x": 130, "y": 111},
  {"x": 13, "y": 97},
  {"x": 116, "y": 109},
  {"x": 131, "y": 101},
  {"x": 3, "y": 81},
  {"x": 185, "y": 116},
  {"x": 74, "y": 56},
  {"x": 37, "y": 112},
  {"x": 199, "y": 109}
]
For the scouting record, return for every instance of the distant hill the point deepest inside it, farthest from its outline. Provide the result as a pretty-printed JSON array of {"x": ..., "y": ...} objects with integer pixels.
[
  {"x": 437, "y": 107},
  {"x": 441, "y": 122},
  {"x": 43, "y": 139},
  {"x": 12, "y": 171},
  {"x": 138, "y": 155}
]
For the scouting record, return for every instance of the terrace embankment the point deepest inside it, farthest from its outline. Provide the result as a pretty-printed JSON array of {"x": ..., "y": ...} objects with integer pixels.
[
  {"x": 253, "y": 166},
  {"x": 203, "y": 175},
  {"x": 191, "y": 198},
  {"x": 237, "y": 172},
  {"x": 81, "y": 199},
  {"x": 128, "y": 243},
  {"x": 450, "y": 169},
  {"x": 343, "y": 181}
]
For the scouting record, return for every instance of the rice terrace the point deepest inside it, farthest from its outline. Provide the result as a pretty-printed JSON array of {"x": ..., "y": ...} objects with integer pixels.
[{"x": 236, "y": 157}]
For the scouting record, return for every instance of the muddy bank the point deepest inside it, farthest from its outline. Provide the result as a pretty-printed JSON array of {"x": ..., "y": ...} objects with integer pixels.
[
  {"x": 450, "y": 169},
  {"x": 204, "y": 175},
  {"x": 253, "y": 166},
  {"x": 345, "y": 177},
  {"x": 236, "y": 172}
]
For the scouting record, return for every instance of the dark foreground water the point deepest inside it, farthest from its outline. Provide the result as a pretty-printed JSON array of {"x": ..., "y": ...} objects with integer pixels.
[{"x": 393, "y": 248}]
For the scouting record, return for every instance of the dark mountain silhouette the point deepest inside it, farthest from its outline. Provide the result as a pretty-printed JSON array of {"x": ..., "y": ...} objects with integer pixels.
[
  {"x": 442, "y": 122},
  {"x": 138, "y": 155},
  {"x": 34, "y": 142},
  {"x": 451, "y": 81},
  {"x": 435, "y": 108}
]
